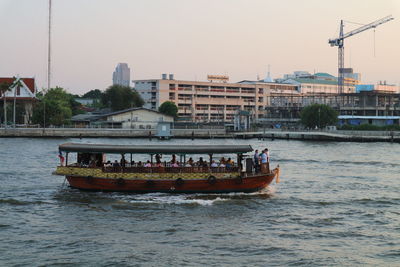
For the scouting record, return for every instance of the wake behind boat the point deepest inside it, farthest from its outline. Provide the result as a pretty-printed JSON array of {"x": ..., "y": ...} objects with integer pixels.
[{"x": 86, "y": 167}]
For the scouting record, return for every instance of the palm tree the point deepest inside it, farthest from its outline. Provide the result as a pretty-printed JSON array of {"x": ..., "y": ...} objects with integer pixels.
[{"x": 5, "y": 87}]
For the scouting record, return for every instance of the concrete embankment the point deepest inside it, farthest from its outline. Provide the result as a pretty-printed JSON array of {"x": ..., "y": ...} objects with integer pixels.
[
  {"x": 343, "y": 136},
  {"x": 101, "y": 132}
]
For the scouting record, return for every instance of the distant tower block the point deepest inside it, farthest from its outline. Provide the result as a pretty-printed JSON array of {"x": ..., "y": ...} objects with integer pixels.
[
  {"x": 122, "y": 75},
  {"x": 268, "y": 79}
]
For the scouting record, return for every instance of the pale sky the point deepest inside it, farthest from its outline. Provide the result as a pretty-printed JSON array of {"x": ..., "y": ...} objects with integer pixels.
[{"x": 193, "y": 38}]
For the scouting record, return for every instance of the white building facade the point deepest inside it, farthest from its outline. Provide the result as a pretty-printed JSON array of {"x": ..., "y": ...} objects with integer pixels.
[
  {"x": 210, "y": 101},
  {"x": 137, "y": 118}
]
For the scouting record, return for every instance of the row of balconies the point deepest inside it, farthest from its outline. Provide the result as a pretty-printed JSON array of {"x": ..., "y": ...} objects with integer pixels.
[{"x": 188, "y": 89}]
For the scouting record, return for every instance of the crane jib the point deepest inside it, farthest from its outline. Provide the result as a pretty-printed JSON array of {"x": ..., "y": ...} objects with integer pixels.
[{"x": 339, "y": 42}]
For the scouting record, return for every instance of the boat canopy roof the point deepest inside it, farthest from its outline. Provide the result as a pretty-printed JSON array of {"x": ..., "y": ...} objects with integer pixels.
[{"x": 155, "y": 149}]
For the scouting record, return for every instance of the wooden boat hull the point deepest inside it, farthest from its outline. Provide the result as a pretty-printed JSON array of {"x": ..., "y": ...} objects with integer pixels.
[{"x": 245, "y": 184}]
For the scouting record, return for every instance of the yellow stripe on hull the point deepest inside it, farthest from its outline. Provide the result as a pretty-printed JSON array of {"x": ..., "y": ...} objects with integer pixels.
[{"x": 97, "y": 172}]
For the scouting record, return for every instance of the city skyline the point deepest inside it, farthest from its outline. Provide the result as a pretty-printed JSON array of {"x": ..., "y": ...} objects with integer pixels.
[{"x": 194, "y": 38}]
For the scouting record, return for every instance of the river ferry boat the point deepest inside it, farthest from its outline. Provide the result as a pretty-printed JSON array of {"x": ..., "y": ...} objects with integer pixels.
[{"x": 169, "y": 168}]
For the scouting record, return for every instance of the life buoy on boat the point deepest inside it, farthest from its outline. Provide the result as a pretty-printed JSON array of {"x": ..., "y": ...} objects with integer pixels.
[
  {"x": 211, "y": 179},
  {"x": 120, "y": 181},
  {"x": 179, "y": 181}
]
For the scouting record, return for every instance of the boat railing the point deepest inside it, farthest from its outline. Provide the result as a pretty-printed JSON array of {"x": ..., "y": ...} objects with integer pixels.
[
  {"x": 170, "y": 169},
  {"x": 160, "y": 169}
]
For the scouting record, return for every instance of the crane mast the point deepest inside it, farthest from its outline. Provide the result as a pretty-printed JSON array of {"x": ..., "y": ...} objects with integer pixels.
[{"x": 339, "y": 42}]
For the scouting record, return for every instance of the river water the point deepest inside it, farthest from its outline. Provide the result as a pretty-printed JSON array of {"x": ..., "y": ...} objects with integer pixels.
[{"x": 338, "y": 204}]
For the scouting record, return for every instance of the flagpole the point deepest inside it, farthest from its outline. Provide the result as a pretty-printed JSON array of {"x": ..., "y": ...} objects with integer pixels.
[{"x": 48, "y": 68}]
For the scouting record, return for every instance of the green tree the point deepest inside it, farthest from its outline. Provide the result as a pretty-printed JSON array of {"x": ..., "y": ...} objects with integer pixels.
[
  {"x": 119, "y": 97},
  {"x": 169, "y": 108},
  {"x": 55, "y": 107},
  {"x": 93, "y": 94},
  {"x": 318, "y": 115}
]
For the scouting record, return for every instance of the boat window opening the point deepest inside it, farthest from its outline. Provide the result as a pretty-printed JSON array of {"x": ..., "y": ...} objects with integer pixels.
[
  {"x": 156, "y": 163},
  {"x": 90, "y": 159}
]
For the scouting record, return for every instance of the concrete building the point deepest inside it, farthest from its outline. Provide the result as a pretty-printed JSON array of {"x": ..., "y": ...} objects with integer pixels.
[
  {"x": 137, "y": 118},
  {"x": 350, "y": 77},
  {"x": 132, "y": 118},
  {"x": 308, "y": 86},
  {"x": 122, "y": 75},
  {"x": 210, "y": 101}
]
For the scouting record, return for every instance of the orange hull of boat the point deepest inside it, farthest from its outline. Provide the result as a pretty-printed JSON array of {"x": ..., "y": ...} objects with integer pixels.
[{"x": 247, "y": 184}]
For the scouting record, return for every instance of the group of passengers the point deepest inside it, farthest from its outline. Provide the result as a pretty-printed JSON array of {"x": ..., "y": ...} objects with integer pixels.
[
  {"x": 261, "y": 161},
  {"x": 222, "y": 163}
]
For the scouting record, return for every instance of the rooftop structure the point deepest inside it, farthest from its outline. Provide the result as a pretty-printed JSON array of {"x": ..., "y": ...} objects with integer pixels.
[{"x": 381, "y": 87}]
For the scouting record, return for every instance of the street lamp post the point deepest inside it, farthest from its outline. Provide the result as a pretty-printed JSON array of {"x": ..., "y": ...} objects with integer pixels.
[{"x": 44, "y": 115}]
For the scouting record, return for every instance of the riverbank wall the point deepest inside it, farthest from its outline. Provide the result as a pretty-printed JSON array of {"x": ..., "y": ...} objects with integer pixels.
[
  {"x": 103, "y": 132},
  {"x": 339, "y": 136}
]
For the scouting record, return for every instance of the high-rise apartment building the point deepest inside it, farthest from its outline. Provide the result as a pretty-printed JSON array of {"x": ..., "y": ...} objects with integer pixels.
[{"x": 122, "y": 75}]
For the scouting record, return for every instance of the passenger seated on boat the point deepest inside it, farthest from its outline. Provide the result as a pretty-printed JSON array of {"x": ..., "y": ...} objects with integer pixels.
[
  {"x": 148, "y": 164},
  {"x": 175, "y": 164},
  {"x": 158, "y": 164},
  {"x": 190, "y": 162},
  {"x": 139, "y": 164},
  {"x": 173, "y": 160},
  {"x": 222, "y": 161},
  {"x": 201, "y": 162},
  {"x": 214, "y": 164},
  {"x": 158, "y": 158},
  {"x": 222, "y": 165},
  {"x": 116, "y": 164},
  {"x": 132, "y": 163},
  {"x": 123, "y": 162},
  {"x": 229, "y": 163},
  {"x": 92, "y": 163},
  {"x": 108, "y": 164}
]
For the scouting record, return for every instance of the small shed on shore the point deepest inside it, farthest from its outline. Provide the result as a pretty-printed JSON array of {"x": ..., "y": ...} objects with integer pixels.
[{"x": 132, "y": 118}]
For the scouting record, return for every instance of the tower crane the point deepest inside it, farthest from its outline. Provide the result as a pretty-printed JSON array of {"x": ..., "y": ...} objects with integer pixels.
[{"x": 339, "y": 42}]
